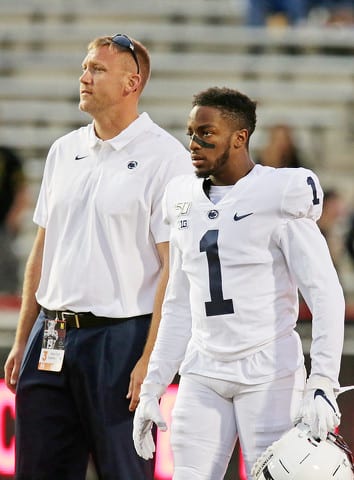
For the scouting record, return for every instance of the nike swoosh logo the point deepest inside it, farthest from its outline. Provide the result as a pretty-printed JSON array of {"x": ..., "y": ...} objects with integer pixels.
[
  {"x": 240, "y": 217},
  {"x": 79, "y": 158}
]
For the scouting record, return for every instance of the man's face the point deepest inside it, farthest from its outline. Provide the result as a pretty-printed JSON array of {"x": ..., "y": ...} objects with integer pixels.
[
  {"x": 104, "y": 74},
  {"x": 210, "y": 141}
]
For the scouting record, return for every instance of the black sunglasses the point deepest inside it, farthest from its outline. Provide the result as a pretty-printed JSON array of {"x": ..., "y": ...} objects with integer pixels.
[{"x": 125, "y": 42}]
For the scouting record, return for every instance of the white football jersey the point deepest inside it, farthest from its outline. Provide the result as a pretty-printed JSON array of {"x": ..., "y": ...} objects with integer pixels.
[{"x": 236, "y": 267}]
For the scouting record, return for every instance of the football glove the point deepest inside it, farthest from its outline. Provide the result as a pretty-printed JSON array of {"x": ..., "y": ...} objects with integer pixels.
[
  {"x": 319, "y": 408},
  {"x": 147, "y": 413}
]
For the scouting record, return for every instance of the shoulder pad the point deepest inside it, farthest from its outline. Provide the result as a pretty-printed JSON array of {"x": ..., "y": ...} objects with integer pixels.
[{"x": 302, "y": 195}]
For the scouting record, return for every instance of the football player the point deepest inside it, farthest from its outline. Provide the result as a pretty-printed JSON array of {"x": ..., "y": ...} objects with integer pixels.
[{"x": 244, "y": 240}]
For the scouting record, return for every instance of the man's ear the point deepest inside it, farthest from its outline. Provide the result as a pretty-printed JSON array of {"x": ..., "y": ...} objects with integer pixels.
[
  {"x": 134, "y": 82},
  {"x": 240, "y": 138}
]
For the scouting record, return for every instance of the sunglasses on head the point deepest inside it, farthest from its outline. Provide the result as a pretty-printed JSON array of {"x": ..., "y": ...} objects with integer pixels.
[{"x": 125, "y": 42}]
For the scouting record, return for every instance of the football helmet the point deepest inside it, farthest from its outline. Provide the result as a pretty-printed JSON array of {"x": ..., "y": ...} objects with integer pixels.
[{"x": 299, "y": 456}]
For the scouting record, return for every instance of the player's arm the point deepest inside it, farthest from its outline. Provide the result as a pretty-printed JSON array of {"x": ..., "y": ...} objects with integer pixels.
[
  {"x": 310, "y": 263},
  {"x": 160, "y": 228},
  {"x": 172, "y": 338},
  {"x": 139, "y": 372},
  {"x": 28, "y": 312},
  {"x": 175, "y": 326}
]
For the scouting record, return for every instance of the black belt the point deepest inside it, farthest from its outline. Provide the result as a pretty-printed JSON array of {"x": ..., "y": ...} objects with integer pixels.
[{"x": 85, "y": 319}]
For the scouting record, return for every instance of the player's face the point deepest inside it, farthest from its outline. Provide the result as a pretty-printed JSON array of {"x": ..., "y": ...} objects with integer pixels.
[
  {"x": 105, "y": 72},
  {"x": 210, "y": 141}
]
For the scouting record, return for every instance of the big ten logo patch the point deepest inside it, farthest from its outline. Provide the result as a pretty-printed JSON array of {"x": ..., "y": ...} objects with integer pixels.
[{"x": 183, "y": 223}]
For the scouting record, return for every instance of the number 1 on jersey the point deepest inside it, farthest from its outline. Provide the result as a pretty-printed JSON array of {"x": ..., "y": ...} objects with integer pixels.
[
  {"x": 218, "y": 305},
  {"x": 311, "y": 182}
]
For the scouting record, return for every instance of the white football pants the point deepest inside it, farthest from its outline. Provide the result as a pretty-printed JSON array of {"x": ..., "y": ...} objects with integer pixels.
[{"x": 210, "y": 415}]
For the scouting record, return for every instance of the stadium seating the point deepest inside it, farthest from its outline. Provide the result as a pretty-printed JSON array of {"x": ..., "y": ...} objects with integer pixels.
[{"x": 301, "y": 76}]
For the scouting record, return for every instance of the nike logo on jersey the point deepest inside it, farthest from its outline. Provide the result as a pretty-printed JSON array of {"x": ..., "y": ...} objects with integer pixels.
[
  {"x": 240, "y": 217},
  {"x": 78, "y": 157}
]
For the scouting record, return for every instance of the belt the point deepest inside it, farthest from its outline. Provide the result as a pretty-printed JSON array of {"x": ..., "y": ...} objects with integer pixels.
[{"x": 85, "y": 319}]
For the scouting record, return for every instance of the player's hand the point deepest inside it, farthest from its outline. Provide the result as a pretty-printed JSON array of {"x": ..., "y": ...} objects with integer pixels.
[
  {"x": 147, "y": 413},
  {"x": 319, "y": 407}
]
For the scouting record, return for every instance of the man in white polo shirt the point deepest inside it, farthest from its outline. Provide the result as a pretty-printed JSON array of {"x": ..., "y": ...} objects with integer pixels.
[{"x": 98, "y": 267}]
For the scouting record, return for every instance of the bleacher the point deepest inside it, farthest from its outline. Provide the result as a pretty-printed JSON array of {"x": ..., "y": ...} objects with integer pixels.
[{"x": 302, "y": 76}]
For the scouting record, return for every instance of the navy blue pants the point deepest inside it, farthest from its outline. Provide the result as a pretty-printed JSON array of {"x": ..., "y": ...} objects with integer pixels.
[{"x": 63, "y": 418}]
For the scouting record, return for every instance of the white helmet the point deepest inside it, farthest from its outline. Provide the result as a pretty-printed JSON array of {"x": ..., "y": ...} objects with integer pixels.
[{"x": 298, "y": 456}]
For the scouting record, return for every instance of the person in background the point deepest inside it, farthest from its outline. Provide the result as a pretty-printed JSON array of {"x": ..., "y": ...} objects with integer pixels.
[
  {"x": 332, "y": 223},
  {"x": 280, "y": 149},
  {"x": 332, "y": 13},
  {"x": 98, "y": 267},
  {"x": 13, "y": 203},
  {"x": 276, "y": 12},
  {"x": 349, "y": 238},
  {"x": 243, "y": 240}
]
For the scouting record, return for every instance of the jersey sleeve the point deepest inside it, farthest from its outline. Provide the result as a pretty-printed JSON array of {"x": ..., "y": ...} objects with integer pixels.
[
  {"x": 310, "y": 263},
  {"x": 168, "y": 204},
  {"x": 303, "y": 195},
  {"x": 175, "y": 326},
  {"x": 177, "y": 165}
]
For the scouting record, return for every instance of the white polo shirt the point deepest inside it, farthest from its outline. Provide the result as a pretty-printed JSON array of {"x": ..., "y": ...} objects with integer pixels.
[{"x": 100, "y": 203}]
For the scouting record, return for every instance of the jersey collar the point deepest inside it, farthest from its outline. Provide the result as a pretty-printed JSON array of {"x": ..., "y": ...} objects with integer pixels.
[{"x": 142, "y": 123}]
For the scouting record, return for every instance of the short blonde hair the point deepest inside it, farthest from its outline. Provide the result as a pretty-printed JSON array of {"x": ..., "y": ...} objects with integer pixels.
[{"x": 140, "y": 50}]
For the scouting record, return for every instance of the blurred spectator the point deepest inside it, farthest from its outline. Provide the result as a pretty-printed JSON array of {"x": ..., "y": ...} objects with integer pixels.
[
  {"x": 331, "y": 224},
  {"x": 282, "y": 13},
  {"x": 276, "y": 12},
  {"x": 331, "y": 12},
  {"x": 349, "y": 239},
  {"x": 342, "y": 15},
  {"x": 13, "y": 200},
  {"x": 280, "y": 150}
]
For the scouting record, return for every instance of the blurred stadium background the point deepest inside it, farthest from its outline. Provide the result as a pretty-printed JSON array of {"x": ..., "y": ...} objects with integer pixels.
[{"x": 302, "y": 76}]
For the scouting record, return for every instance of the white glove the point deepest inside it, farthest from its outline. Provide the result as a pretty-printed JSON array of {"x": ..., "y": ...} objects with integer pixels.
[
  {"x": 147, "y": 413},
  {"x": 319, "y": 408}
]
